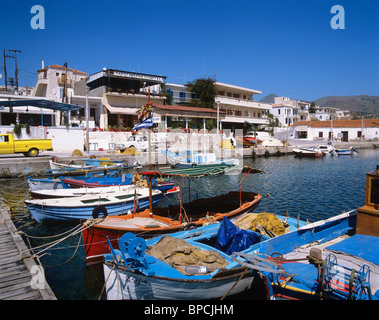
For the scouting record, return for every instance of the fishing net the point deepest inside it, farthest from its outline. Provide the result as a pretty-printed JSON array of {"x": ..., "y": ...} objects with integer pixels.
[
  {"x": 264, "y": 220},
  {"x": 179, "y": 254}
]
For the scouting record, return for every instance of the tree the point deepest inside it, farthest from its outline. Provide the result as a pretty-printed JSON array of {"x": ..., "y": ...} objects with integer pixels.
[
  {"x": 312, "y": 108},
  {"x": 204, "y": 91}
]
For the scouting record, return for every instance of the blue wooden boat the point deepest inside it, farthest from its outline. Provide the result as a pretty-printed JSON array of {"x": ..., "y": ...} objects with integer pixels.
[
  {"x": 125, "y": 179},
  {"x": 91, "y": 206},
  {"x": 337, "y": 258},
  {"x": 43, "y": 183},
  {"x": 135, "y": 272},
  {"x": 95, "y": 182},
  {"x": 86, "y": 164},
  {"x": 346, "y": 152}
]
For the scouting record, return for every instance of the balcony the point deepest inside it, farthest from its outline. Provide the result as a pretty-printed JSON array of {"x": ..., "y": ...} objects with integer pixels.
[
  {"x": 61, "y": 81},
  {"x": 247, "y": 103}
]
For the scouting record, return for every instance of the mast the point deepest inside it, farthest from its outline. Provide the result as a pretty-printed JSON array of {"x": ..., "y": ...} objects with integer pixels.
[{"x": 149, "y": 147}]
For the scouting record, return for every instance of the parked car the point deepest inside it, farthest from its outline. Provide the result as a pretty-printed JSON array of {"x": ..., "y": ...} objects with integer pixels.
[
  {"x": 140, "y": 142},
  {"x": 29, "y": 147}
]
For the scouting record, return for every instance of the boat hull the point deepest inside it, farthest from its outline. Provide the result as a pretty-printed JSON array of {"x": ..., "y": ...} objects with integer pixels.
[
  {"x": 76, "y": 192},
  {"x": 129, "y": 285},
  {"x": 345, "y": 152},
  {"x": 228, "y": 162},
  {"x": 95, "y": 238},
  {"x": 163, "y": 186},
  {"x": 304, "y": 153},
  {"x": 55, "y": 166},
  {"x": 41, "y": 212}
]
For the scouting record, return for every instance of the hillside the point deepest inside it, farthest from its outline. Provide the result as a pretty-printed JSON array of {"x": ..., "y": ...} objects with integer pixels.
[
  {"x": 269, "y": 98},
  {"x": 368, "y": 105},
  {"x": 356, "y": 104}
]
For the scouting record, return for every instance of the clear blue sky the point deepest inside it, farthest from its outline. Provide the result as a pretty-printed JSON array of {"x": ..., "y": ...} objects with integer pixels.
[{"x": 282, "y": 47}]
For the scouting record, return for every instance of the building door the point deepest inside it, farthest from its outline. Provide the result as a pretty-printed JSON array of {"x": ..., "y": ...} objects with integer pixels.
[
  {"x": 345, "y": 136},
  {"x": 5, "y": 145}
]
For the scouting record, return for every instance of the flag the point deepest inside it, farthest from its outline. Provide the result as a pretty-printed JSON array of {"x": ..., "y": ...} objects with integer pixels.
[{"x": 147, "y": 123}]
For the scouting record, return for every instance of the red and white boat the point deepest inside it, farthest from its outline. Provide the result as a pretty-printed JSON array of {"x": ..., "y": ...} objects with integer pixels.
[{"x": 165, "y": 220}]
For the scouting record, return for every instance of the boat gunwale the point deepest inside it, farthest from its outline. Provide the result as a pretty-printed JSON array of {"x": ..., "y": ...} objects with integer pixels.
[
  {"x": 217, "y": 217},
  {"x": 235, "y": 272}
]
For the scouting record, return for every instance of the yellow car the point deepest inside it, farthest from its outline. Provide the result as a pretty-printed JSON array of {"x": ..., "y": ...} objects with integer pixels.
[{"x": 29, "y": 147}]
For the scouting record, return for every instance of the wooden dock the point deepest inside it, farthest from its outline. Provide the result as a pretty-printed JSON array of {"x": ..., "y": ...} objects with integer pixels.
[{"x": 20, "y": 279}]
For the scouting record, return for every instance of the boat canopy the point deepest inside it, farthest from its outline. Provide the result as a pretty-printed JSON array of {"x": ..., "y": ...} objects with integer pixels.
[{"x": 192, "y": 172}]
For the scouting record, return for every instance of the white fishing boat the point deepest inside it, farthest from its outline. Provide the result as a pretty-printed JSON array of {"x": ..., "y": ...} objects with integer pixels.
[
  {"x": 308, "y": 152},
  {"x": 77, "y": 192},
  {"x": 91, "y": 205},
  {"x": 328, "y": 148},
  {"x": 199, "y": 159}
]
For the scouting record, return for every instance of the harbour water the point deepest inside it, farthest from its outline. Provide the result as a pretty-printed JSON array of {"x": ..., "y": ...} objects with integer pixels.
[{"x": 314, "y": 189}]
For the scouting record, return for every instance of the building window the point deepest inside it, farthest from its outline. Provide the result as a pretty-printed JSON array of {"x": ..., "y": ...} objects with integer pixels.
[
  {"x": 229, "y": 94},
  {"x": 182, "y": 96},
  {"x": 244, "y": 96},
  {"x": 278, "y": 111},
  {"x": 229, "y": 112},
  {"x": 236, "y": 95},
  {"x": 320, "y": 134},
  {"x": 221, "y": 93},
  {"x": 359, "y": 134},
  {"x": 238, "y": 113}
]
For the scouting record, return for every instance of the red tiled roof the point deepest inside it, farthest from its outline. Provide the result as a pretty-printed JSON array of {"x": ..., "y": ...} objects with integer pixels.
[
  {"x": 57, "y": 66},
  {"x": 367, "y": 123},
  {"x": 185, "y": 108}
]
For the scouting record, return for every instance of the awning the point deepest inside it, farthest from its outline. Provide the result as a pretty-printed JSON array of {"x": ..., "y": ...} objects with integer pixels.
[
  {"x": 40, "y": 103},
  {"x": 121, "y": 110},
  {"x": 301, "y": 128}
]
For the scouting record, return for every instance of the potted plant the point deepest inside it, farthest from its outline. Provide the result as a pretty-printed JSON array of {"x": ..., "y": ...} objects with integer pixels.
[{"x": 17, "y": 130}]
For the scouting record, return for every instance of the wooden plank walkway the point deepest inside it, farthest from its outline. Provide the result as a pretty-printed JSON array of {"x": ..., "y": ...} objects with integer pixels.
[{"x": 15, "y": 273}]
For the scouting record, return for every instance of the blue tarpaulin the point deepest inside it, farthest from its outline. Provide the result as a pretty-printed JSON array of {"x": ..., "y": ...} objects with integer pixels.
[{"x": 233, "y": 239}]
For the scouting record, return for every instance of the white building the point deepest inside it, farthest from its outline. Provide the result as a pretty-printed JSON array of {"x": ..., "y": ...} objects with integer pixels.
[
  {"x": 284, "y": 114},
  {"x": 337, "y": 130},
  {"x": 235, "y": 103},
  {"x": 117, "y": 96},
  {"x": 57, "y": 82},
  {"x": 239, "y": 105},
  {"x": 288, "y": 111}
]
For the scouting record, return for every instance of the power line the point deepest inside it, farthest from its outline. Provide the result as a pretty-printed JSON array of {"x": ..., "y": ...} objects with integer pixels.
[{"x": 15, "y": 61}]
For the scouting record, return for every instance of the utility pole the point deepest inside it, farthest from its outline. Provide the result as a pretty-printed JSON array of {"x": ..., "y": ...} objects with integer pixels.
[
  {"x": 65, "y": 83},
  {"x": 16, "y": 71},
  {"x": 5, "y": 71}
]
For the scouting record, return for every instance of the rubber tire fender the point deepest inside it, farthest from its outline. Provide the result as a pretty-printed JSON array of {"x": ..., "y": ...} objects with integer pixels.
[{"x": 99, "y": 210}]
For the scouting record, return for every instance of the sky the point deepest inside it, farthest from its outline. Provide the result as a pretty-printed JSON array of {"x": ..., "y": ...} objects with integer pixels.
[{"x": 284, "y": 47}]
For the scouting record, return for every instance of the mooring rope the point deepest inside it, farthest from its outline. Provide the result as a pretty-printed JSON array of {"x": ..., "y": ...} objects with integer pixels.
[{"x": 74, "y": 231}]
